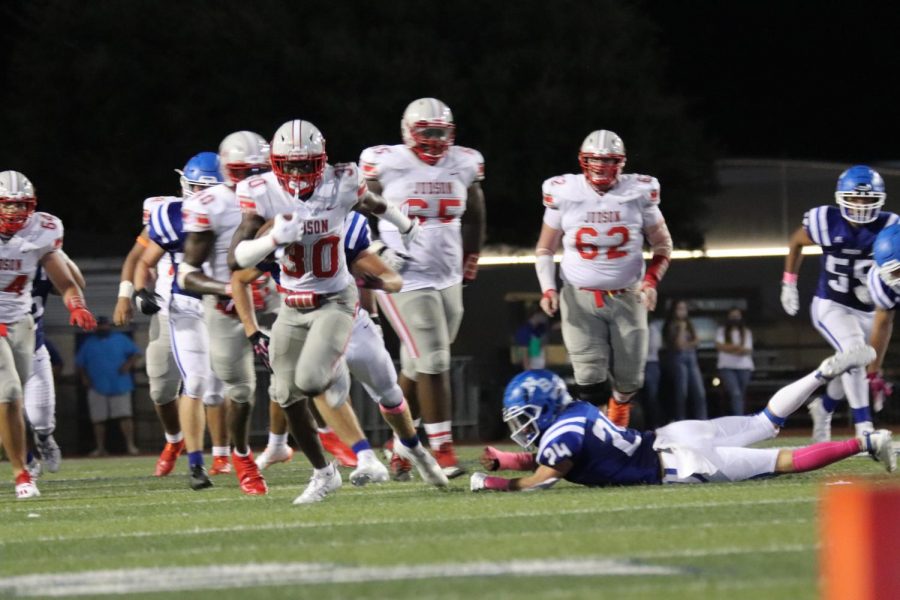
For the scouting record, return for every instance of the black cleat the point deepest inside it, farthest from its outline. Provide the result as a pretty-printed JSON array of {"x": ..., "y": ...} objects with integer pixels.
[{"x": 200, "y": 478}]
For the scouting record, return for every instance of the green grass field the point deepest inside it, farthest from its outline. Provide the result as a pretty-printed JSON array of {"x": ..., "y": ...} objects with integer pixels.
[{"x": 108, "y": 526}]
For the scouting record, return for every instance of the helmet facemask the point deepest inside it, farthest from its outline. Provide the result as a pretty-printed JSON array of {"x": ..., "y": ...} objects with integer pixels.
[
  {"x": 522, "y": 421},
  {"x": 430, "y": 140},
  {"x": 601, "y": 170},
  {"x": 890, "y": 274},
  {"x": 299, "y": 176},
  {"x": 15, "y": 212},
  {"x": 239, "y": 171},
  {"x": 860, "y": 206}
]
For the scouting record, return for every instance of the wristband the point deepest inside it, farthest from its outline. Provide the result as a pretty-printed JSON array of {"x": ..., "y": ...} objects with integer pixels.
[
  {"x": 789, "y": 278},
  {"x": 126, "y": 289},
  {"x": 548, "y": 293}
]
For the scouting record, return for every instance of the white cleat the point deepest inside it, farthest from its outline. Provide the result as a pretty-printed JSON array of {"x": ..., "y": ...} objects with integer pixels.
[
  {"x": 878, "y": 445},
  {"x": 274, "y": 454},
  {"x": 320, "y": 485},
  {"x": 425, "y": 463},
  {"x": 35, "y": 468},
  {"x": 857, "y": 356},
  {"x": 25, "y": 488},
  {"x": 50, "y": 453},
  {"x": 821, "y": 419},
  {"x": 369, "y": 470}
]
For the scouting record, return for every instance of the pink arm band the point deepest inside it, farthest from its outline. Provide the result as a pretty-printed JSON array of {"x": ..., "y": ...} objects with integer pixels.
[
  {"x": 789, "y": 278},
  {"x": 515, "y": 461},
  {"x": 499, "y": 484}
]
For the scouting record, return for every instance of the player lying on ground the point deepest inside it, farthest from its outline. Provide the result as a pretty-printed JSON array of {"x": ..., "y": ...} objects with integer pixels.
[{"x": 579, "y": 444}]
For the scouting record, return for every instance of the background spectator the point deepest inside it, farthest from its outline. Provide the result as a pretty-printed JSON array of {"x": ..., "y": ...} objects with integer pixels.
[
  {"x": 104, "y": 362},
  {"x": 530, "y": 341},
  {"x": 653, "y": 412},
  {"x": 735, "y": 345},
  {"x": 680, "y": 339}
]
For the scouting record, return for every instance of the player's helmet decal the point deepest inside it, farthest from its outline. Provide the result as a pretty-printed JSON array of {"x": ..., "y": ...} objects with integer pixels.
[
  {"x": 530, "y": 404},
  {"x": 17, "y": 202},
  {"x": 202, "y": 170},
  {"x": 860, "y": 194}
]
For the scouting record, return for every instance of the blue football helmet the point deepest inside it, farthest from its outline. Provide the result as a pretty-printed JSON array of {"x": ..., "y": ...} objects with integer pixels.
[
  {"x": 860, "y": 194},
  {"x": 530, "y": 404},
  {"x": 887, "y": 256},
  {"x": 202, "y": 170}
]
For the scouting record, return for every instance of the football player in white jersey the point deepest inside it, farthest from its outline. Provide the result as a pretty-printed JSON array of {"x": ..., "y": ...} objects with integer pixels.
[
  {"x": 602, "y": 217},
  {"x": 439, "y": 184},
  {"x": 308, "y": 199},
  {"x": 27, "y": 239}
]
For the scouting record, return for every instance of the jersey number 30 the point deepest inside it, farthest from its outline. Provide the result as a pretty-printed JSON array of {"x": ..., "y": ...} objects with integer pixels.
[{"x": 295, "y": 258}]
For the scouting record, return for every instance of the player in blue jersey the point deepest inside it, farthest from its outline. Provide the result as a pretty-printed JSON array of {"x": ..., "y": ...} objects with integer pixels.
[
  {"x": 189, "y": 335},
  {"x": 841, "y": 309},
  {"x": 39, "y": 391},
  {"x": 884, "y": 288},
  {"x": 576, "y": 442}
]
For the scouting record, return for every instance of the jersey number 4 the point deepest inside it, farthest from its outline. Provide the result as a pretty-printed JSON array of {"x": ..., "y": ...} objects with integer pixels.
[
  {"x": 295, "y": 258},
  {"x": 586, "y": 238}
]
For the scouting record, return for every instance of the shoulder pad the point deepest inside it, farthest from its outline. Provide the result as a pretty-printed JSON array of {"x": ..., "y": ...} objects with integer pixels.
[
  {"x": 469, "y": 159},
  {"x": 556, "y": 190},
  {"x": 47, "y": 231}
]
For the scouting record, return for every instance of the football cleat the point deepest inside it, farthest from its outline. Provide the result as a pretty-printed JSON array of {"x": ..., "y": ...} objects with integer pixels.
[
  {"x": 199, "y": 478},
  {"x": 220, "y": 466},
  {"x": 429, "y": 469},
  {"x": 166, "y": 461},
  {"x": 341, "y": 451},
  {"x": 25, "y": 487},
  {"x": 878, "y": 445},
  {"x": 370, "y": 470},
  {"x": 274, "y": 454},
  {"x": 446, "y": 458},
  {"x": 821, "y": 420},
  {"x": 857, "y": 356},
  {"x": 401, "y": 469},
  {"x": 50, "y": 454},
  {"x": 249, "y": 477},
  {"x": 320, "y": 485}
]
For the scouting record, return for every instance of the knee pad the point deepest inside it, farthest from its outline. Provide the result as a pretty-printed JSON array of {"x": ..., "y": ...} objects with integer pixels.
[
  {"x": 435, "y": 362},
  {"x": 241, "y": 393},
  {"x": 213, "y": 399},
  {"x": 392, "y": 398},
  {"x": 595, "y": 393},
  {"x": 10, "y": 391},
  {"x": 622, "y": 397},
  {"x": 195, "y": 386},
  {"x": 161, "y": 396}
]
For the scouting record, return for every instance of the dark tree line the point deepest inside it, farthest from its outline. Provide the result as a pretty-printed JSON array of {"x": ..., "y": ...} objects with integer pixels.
[{"x": 102, "y": 100}]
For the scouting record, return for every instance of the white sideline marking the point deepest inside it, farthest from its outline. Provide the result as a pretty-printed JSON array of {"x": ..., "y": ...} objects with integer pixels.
[
  {"x": 407, "y": 521},
  {"x": 168, "y": 579}
]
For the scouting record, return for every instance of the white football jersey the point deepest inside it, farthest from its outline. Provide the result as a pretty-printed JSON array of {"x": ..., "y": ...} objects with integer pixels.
[
  {"x": 316, "y": 261},
  {"x": 215, "y": 209},
  {"x": 436, "y": 196},
  {"x": 19, "y": 258},
  {"x": 165, "y": 272},
  {"x": 603, "y": 233}
]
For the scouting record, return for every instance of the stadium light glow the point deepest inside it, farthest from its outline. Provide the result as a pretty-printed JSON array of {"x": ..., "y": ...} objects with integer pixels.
[{"x": 528, "y": 259}]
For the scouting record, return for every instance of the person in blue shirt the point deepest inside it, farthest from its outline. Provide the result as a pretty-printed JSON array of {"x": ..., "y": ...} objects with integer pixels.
[
  {"x": 575, "y": 441},
  {"x": 105, "y": 360},
  {"x": 841, "y": 309}
]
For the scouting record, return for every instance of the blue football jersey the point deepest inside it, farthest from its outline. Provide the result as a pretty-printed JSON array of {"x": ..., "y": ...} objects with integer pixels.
[
  {"x": 165, "y": 228},
  {"x": 601, "y": 453},
  {"x": 40, "y": 290},
  {"x": 846, "y": 253},
  {"x": 882, "y": 294}
]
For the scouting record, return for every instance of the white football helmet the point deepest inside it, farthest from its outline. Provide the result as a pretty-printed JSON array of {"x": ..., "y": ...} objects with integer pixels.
[
  {"x": 427, "y": 128},
  {"x": 242, "y": 154},
  {"x": 602, "y": 158},
  {"x": 17, "y": 202},
  {"x": 298, "y": 157}
]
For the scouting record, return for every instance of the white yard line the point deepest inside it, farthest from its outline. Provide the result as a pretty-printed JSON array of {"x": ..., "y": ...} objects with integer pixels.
[
  {"x": 169, "y": 579},
  {"x": 403, "y": 520}
]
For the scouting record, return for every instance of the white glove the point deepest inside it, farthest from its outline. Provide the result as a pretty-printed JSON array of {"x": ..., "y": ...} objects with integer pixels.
[
  {"x": 411, "y": 234},
  {"x": 393, "y": 259},
  {"x": 790, "y": 298},
  {"x": 862, "y": 294},
  {"x": 286, "y": 229},
  {"x": 476, "y": 481}
]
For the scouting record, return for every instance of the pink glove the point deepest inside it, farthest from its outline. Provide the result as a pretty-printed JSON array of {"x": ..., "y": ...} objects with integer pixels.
[
  {"x": 879, "y": 390},
  {"x": 498, "y": 460}
]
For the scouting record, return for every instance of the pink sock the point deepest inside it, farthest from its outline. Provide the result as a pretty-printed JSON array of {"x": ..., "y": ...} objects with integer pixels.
[
  {"x": 513, "y": 461},
  {"x": 822, "y": 454}
]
